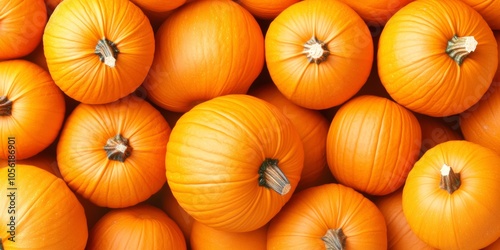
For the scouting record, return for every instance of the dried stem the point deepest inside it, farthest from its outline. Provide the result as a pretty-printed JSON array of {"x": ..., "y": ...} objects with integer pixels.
[{"x": 271, "y": 176}]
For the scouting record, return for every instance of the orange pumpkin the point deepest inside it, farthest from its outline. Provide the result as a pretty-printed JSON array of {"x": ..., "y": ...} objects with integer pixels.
[
  {"x": 493, "y": 246},
  {"x": 204, "y": 237},
  {"x": 450, "y": 197},
  {"x": 372, "y": 144},
  {"x": 376, "y": 12},
  {"x": 434, "y": 131},
  {"x": 204, "y": 49},
  {"x": 330, "y": 216},
  {"x": 98, "y": 51},
  {"x": 172, "y": 208},
  {"x": 488, "y": 9},
  {"x": 32, "y": 108},
  {"x": 437, "y": 57},
  {"x": 158, "y": 5},
  {"x": 233, "y": 162},
  {"x": 137, "y": 227},
  {"x": 114, "y": 154},
  {"x": 319, "y": 53},
  {"x": 267, "y": 10},
  {"x": 40, "y": 211}
]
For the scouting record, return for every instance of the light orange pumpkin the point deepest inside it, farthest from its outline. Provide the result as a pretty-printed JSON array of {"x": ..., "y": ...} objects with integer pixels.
[
  {"x": 170, "y": 205},
  {"x": 98, "y": 51},
  {"x": 319, "y": 53},
  {"x": 204, "y": 49},
  {"x": 158, "y": 5},
  {"x": 32, "y": 109},
  {"x": 266, "y": 10},
  {"x": 204, "y": 237},
  {"x": 114, "y": 154},
  {"x": 437, "y": 57},
  {"x": 488, "y": 9},
  {"x": 233, "y": 162}
]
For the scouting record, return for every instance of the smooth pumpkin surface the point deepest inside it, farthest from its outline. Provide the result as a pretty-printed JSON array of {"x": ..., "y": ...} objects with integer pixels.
[
  {"x": 158, "y": 5},
  {"x": 330, "y": 216},
  {"x": 98, "y": 51},
  {"x": 435, "y": 130},
  {"x": 114, "y": 154},
  {"x": 47, "y": 215},
  {"x": 266, "y": 10},
  {"x": 428, "y": 59},
  {"x": 451, "y": 196},
  {"x": 32, "y": 108},
  {"x": 204, "y": 49},
  {"x": 376, "y": 12},
  {"x": 233, "y": 162},
  {"x": 319, "y": 53},
  {"x": 172, "y": 208},
  {"x": 372, "y": 144},
  {"x": 488, "y": 9}
]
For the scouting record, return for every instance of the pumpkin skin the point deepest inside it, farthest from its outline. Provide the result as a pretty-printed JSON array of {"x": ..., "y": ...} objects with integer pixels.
[
  {"x": 172, "y": 208},
  {"x": 307, "y": 217},
  {"x": 493, "y": 246},
  {"x": 203, "y": 50},
  {"x": 133, "y": 170},
  {"x": 47, "y": 214},
  {"x": 489, "y": 11},
  {"x": 376, "y": 12},
  {"x": 138, "y": 227},
  {"x": 266, "y": 10},
  {"x": 435, "y": 131},
  {"x": 81, "y": 32},
  {"x": 204, "y": 237},
  {"x": 22, "y": 24},
  {"x": 415, "y": 68},
  {"x": 219, "y": 157},
  {"x": 460, "y": 215},
  {"x": 321, "y": 73},
  {"x": 23, "y": 86},
  {"x": 372, "y": 144},
  {"x": 159, "y": 6}
]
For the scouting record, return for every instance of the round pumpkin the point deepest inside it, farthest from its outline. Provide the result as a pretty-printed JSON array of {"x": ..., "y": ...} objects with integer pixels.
[
  {"x": 98, "y": 51},
  {"x": 32, "y": 108},
  {"x": 114, "y": 154},
  {"x": 204, "y": 49},
  {"x": 437, "y": 57},
  {"x": 493, "y": 246},
  {"x": 233, "y": 162},
  {"x": 39, "y": 211},
  {"x": 137, "y": 227},
  {"x": 330, "y": 216},
  {"x": 319, "y": 53},
  {"x": 372, "y": 144},
  {"x": 376, "y": 12},
  {"x": 172, "y": 208},
  {"x": 158, "y": 5},
  {"x": 436, "y": 130},
  {"x": 266, "y": 10},
  {"x": 488, "y": 9},
  {"x": 451, "y": 196}
]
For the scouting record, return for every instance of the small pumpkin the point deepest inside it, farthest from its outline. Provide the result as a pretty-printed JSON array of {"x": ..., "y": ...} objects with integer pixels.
[
  {"x": 32, "y": 108},
  {"x": 437, "y": 57},
  {"x": 98, "y": 51},
  {"x": 319, "y": 53},
  {"x": 116, "y": 148},
  {"x": 204, "y": 237},
  {"x": 137, "y": 227},
  {"x": 266, "y": 10},
  {"x": 204, "y": 49},
  {"x": 450, "y": 198},
  {"x": 372, "y": 144},
  {"x": 330, "y": 216},
  {"x": 233, "y": 162},
  {"x": 40, "y": 211}
]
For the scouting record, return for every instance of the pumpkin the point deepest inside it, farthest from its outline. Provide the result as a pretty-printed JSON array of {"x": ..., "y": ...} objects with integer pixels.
[
  {"x": 493, "y": 246},
  {"x": 266, "y": 10},
  {"x": 32, "y": 109},
  {"x": 435, "y": 131},
  {"x": 376, "y": 12},
  {"x": 137, "y": 227},
  {"x": 114, "y": 154},
  {"x": 319, "y": 53},
  {"x": 204, "y": 237},
  {"x": 98, "y": 51},
  {"x": 488, "y": 9},
  {"x": 312, "y": 127},
  {"x": 330, "y": 216},
  {"x": 40, "y": 211},
  {"x": 437, "y": 57},
  {"x": 399, "y": 234},
  {"x": 204, "y": 49},
  {"x": 372, "y": 144},
  {"x": 450, "y": 197},
  {"x": 158, "y": 6},
  {"x": 172, "y": 208},
  {"x": 233, "y": 162}
]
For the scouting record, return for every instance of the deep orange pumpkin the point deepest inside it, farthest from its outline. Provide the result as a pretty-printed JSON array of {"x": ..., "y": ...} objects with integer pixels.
[
  {"x": 376, "y": 12},
  {"x": 204, "y": 237},
  {"x": 170, "y": 205},
  {"x": 158, "y": 5},
  {"x": 204, "y": 49},
  {"x": 428, "y": 59},
  {"x": 98, "y": 51},
  {"x": 267, "y": 10},
  {"x": 435, "y": 130},
  {"x": 233, "y": 162},
  {"x": 488, "y": 9},
  {"x": 451, "y": 196},
  {"x": 372, "y": 144},
  {"x": 114, "y": 154},
  {"x": 319, "y": 53},
  {"x": 32, "y": 108}
]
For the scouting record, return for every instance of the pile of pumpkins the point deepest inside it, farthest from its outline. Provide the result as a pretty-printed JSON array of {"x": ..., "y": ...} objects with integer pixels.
[{"x": 250, "y": 124}]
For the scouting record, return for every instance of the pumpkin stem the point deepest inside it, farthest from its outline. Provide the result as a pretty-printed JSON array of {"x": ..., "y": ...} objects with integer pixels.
[
  {"x": 5, "y": 106},
  {"x": 271, "y": 176},
  {"x": 107, "y": 52},
  {"x": 316, "y": 51},
  {"x": 450, "y": 181},
  {"x": 117, "y": 148},
  {"x": 334, "y": 239},
  {"x": 460, "y": 47}
]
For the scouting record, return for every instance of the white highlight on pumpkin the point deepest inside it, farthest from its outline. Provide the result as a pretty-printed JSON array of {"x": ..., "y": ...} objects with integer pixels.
[
  {"x": 122, "y": 148},
  {"x": 110, "y": 61},
  {"x": 470, "y": 43},
  {"x": 445, "y": 170},
  {"x": 314, "y": 50}
]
